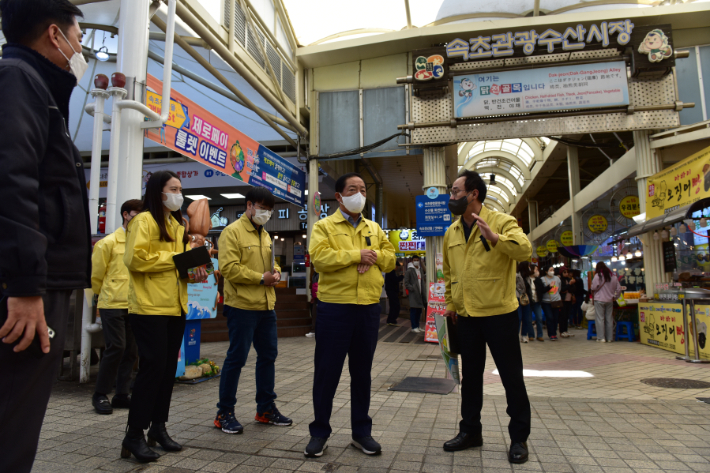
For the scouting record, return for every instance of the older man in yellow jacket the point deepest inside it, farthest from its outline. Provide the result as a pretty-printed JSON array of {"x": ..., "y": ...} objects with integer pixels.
[
  {"x": 109, "y": 279},
  {"x": 351, "y": 253},
  {"x": 480, "y": 253},
  {"x": 245, "y": 261}
]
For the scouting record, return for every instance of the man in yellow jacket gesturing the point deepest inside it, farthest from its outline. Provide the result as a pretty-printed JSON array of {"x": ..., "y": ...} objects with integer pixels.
[
  {"x": 351, "y": 253},
  {"x": 480, "y": 253},
  {"x": 109, "y": 279},
  {"x": 245, "y": 256}
]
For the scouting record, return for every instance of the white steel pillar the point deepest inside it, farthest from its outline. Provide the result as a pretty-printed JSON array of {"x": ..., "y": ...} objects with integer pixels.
[
  {"x": 648, "y": 164},
  {"x": 313, "y": 213},
  {"x": 533, "y": 218},
  {"x": 132, "y": 61},
  {"x": 434, "y": 176},
  {"x": 95, "y": 185},
  {"x": 574, "y": 188}
]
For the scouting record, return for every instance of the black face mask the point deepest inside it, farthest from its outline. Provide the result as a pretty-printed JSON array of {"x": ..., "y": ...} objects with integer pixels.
[{"x": 458, "y": 206}]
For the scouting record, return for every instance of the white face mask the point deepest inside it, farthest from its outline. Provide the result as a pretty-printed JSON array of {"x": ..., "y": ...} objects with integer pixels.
[
  {"x": 354, "y": 203},
  {"x": 551, "y": 273},
  {"x": 173, "y": 202},
  {"x": 261, "y": 216},
  {"x": 415, "y": 263},
  {"x": 77, "y": 63}
]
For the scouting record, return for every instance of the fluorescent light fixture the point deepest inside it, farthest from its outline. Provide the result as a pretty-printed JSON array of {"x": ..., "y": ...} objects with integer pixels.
[
  {"x": 305, "y": 192},
  {"x": 552, "y": 374},
  {"x": 102, "y": 54},
  {"x": 232, "y": 196},
  {"x": 197, "y": 197}
]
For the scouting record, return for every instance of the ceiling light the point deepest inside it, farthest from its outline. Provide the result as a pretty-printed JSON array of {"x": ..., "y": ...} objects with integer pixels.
[
  {"x": 614, "y": 259},
  {"x": 629, "y": 256},
  {"x": 303, "y": 236},
  {"x": 682, "y": 228},
  {"x": 305, "y": 192},
  {"x": 638, "y": 253},
  {"x": 655, "y": 235},
  {"x": 232, "y": 196},
  {"x": 674, "y": 232},
  {"x": 664, "y": 234},
  {"x": 102, "y": 54},
  {"x": 197, "y": 197},
  {"x": 623, "y": 263}
]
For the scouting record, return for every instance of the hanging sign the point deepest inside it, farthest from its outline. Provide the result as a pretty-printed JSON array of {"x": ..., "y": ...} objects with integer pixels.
[
  {"x": 407, "y": 241},
  {"x": 598, "y": 223},
  {"x": 316, "y": 203},
  {"x": 198, "y": 134},
  {"x": 682, "y": 184},
  {"x": 552, "y": 246},
  {"x": 567, "y": 238},
  {"x": 542, "y": 251},
  {"x": 629, "y": 206},
  {"x": 433, "y": 215}
]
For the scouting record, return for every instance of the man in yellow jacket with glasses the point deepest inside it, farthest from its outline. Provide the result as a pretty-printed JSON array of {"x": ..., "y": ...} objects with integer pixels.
[
  {"x": 351, "y": 253},
  {"x": 109, "y": 279},
  {"x": 245, "y": 261},
  {"x": 480, "y": 253}
]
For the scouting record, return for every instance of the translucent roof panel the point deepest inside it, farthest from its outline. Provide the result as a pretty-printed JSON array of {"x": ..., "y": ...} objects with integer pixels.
[{"x": 499, "y": 193}]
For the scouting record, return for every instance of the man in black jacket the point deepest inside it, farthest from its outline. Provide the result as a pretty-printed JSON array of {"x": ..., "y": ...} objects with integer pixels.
[
  {"x": 392, "y": 280},
  {"x": 45, "y": 248}
]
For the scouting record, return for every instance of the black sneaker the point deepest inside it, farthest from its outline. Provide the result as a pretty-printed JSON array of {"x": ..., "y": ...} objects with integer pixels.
[
  {"x": 316, "y": 447},
  {"x": 121, "y": 401},
  {"x": 101, "y": 404},
  {"x": 273, "y": 417},
  {"x": 368, "y": 445}
]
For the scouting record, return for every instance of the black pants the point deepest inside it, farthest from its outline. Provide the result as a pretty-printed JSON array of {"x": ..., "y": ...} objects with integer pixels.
[
  {"x": 26, "y": 380},
  {"x": 314, "y": 314},
  {"x": 500, "y": 332},
  {"x": 159, "y": 338},
  {"x": 120, "y": 354},
  {"x": 393, "y": 297},
  {"x": 344, "y": 329},
  {"x": 564, "y": 316}
]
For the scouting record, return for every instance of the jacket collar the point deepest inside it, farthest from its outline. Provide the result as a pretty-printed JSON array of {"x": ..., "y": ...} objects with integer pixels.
[
  {"x": 339, "y": 217},
  {"x": 59, "y": 82},
  {"x": 249, "y": 225},
  {"x": 120, "y": 235}
]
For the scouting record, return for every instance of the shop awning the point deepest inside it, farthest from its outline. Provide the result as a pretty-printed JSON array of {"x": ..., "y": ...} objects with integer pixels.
[{"x": 670, "y": 218}]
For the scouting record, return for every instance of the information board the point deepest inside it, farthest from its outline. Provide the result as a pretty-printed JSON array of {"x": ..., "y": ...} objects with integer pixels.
[
  {"x": 433, "y": 215},
  {"x": 661, "y": 325},
  {"x": 202, "y": 297}
]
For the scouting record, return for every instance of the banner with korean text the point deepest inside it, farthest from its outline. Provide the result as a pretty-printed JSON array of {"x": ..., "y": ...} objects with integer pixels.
[
  {"x": 682, "y": 184},
  {"x": 661, "y": 325},
  {"x": 196, "y": 133}
]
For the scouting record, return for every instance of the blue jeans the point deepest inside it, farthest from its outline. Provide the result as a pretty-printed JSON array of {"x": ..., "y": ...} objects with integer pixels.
[
  {"x": 552, "y": 315},
  {"x": 536, "y": 308},
  {"x": 245, "y": 327},
  {"x": 414, "y": 315},
  {"x": 575, "y": 316},
  {"x": 525, "y": 318}
]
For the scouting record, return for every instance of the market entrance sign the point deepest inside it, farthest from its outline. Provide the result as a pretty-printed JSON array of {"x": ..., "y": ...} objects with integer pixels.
[{"x": 198, "y": 134}]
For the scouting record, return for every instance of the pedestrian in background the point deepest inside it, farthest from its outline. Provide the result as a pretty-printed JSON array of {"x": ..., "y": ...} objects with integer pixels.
[
  {"x": 109, "y": 279},
  {"x": 551, "y": 300},
  {"x": 45, "y": 252},
  {"x": 415, "y": 282},
  {"x": 606, "y": 290},
  {"x": 392, "y": 280},
  {"x": 580, "y": 294},
  {"x": 568, "y": 301},
  {"x": 537, "y": 289},
  {"x": 351, "y": 253},
  {"x": 157, "y": 304},
  {"x": 524, "y": 293}
]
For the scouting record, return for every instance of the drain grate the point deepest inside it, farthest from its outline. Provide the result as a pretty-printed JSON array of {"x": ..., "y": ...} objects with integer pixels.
[{"x": 676, "y": 383}]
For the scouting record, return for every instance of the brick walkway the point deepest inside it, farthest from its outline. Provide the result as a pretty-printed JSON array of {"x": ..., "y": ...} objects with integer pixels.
[{"x": 610, "y": 422}]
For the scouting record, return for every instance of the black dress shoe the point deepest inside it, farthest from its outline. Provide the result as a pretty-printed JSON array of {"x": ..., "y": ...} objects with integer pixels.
[
  {"x": 158, "y": 434},
  {"x": 101, "y": 404},
  {"x": 121, "y": 401},
  {"x": 518, "y": 452},
  {"x": 463, "y": 441},
  {"x": 134, "y": 443}
]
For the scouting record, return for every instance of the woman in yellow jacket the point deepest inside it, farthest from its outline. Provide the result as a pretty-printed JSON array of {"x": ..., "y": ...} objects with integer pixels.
[{"x": 157, "y": 304}]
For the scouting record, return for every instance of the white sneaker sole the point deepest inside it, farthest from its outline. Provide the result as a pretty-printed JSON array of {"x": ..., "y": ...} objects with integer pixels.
[
  {"x": 232, "y": 432},
  {"x": 365, "y": 451},
  {"x": 315, "y": 455}
]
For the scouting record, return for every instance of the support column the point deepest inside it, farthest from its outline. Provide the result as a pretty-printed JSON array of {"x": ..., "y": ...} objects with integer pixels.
[
  {"x": 574, "y": 188},
  {"x": 313, "y": 214},
  {"x": 434, "y": 176},
  {"x": 648, "y": 164},
  {"x": 132, "y": 61},
  {"x": 379, "y": 197},
  {"x": 533, "y": 217}
]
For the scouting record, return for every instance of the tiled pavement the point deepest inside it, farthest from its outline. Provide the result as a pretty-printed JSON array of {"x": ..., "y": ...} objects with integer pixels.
[{"x": 609, "y": 422}]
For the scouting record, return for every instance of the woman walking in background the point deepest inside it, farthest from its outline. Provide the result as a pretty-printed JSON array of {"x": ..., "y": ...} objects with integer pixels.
[
  {"x": 606, "y": 290},
  {"x": 580, "y": 294},
  {"x": 523, "y": 289},
  {"x": 157, "y": 304},
  {"x": 551, "y": 301},
  {"x": 415, "y": 282},
  {"x": 537, "y": 289}
]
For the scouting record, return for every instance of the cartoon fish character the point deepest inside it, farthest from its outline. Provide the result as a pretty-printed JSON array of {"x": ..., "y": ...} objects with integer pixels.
[{"x": 655, "y": 44}]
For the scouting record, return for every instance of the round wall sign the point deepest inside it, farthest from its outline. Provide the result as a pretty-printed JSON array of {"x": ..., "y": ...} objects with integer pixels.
[
  {"x": 432, "y": 192},
  {"x": 542, "y": 251},
  {"x": 598, "y": 223},
  {"x": 629, "y": 206},
  {"x": 552, "y": 246},
  {"x": 566, "y": 238}
]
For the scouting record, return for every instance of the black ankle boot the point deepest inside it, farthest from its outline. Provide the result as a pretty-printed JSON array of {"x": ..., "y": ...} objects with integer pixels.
[
  {"x": 158, "y": 434},
  {"x": 134, "y": 442}
]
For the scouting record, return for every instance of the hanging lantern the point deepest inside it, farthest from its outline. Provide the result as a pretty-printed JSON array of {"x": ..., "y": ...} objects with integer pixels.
[
  {"x": 691, "y": 226},
  {"x": 656, "y": 236},
  {"x": 664, "y": 234},
  {"x": 638, "y": 253},
  {"x": 673, "y": 231},
  {"x": 682, "y": 228},
  {"x": 703, "y": 222},
  {"x": 614, "y": 259}
]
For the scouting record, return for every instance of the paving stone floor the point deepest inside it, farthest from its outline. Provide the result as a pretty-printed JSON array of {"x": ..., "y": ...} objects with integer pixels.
[{"x": 609, "y": 422}]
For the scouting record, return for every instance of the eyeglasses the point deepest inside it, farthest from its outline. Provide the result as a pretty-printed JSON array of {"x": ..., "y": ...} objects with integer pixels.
[{"x": 454, "y": 192}]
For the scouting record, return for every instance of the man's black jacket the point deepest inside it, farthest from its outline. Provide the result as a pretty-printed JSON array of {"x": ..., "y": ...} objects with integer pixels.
[{"x": 44, "y": 214}]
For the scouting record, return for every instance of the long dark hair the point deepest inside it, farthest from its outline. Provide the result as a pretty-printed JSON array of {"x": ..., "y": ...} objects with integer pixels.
[
  {"x": 524, "y": 269},
  {"x": 604, "y": 271},
  {"x": 153, "y": 203}
]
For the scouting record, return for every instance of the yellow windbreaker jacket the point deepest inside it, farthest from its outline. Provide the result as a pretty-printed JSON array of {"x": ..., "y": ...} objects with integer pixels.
[
  {"x": 109, "y": 275},
  {"x": 154, "y": 286},
  {"x": 481, "y": 283},
  {"x": 335, "y": 252},
  {"x": 244, "y": 256}
]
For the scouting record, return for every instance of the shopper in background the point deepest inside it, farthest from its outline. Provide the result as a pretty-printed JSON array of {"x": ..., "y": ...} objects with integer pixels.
[
  {"x": 415, "y": 283},
  {"x": 109, "y": 279},
  {"x": 589, "y": 312},
  {"x": 551, "y": 300},
  {"x": 351, "y": 253},
  {"x": 157, "y": 304},
  {"x": 45, "y": 252},
  {"x": 606, "y": 290},
  {"x": 537, "y": 289},
  {"x": 568, "y": 300},
  {"x": 245, "y": 255},
  {"x": 392, "y": 280},
  {"x": 580, "y": 294},
  {"x": 524, "y": 293}
]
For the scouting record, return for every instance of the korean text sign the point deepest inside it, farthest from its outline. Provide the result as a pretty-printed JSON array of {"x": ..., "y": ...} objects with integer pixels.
[
  {"x": 681, "y": 184},
  {"x": 433, "y": 215},
  {"x": 541, "y": 90},
  {"x": 196, "y": 133},
  {"x": 661, "y": 325}
]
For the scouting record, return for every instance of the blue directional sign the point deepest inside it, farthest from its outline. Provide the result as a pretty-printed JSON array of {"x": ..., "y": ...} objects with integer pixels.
[{"x": 433, "y": 215}]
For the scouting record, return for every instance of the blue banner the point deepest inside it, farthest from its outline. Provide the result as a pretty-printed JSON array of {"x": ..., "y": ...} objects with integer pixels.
[
  {"x": 433, "y": 215},
  {"x": 282, "y": 178}
]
